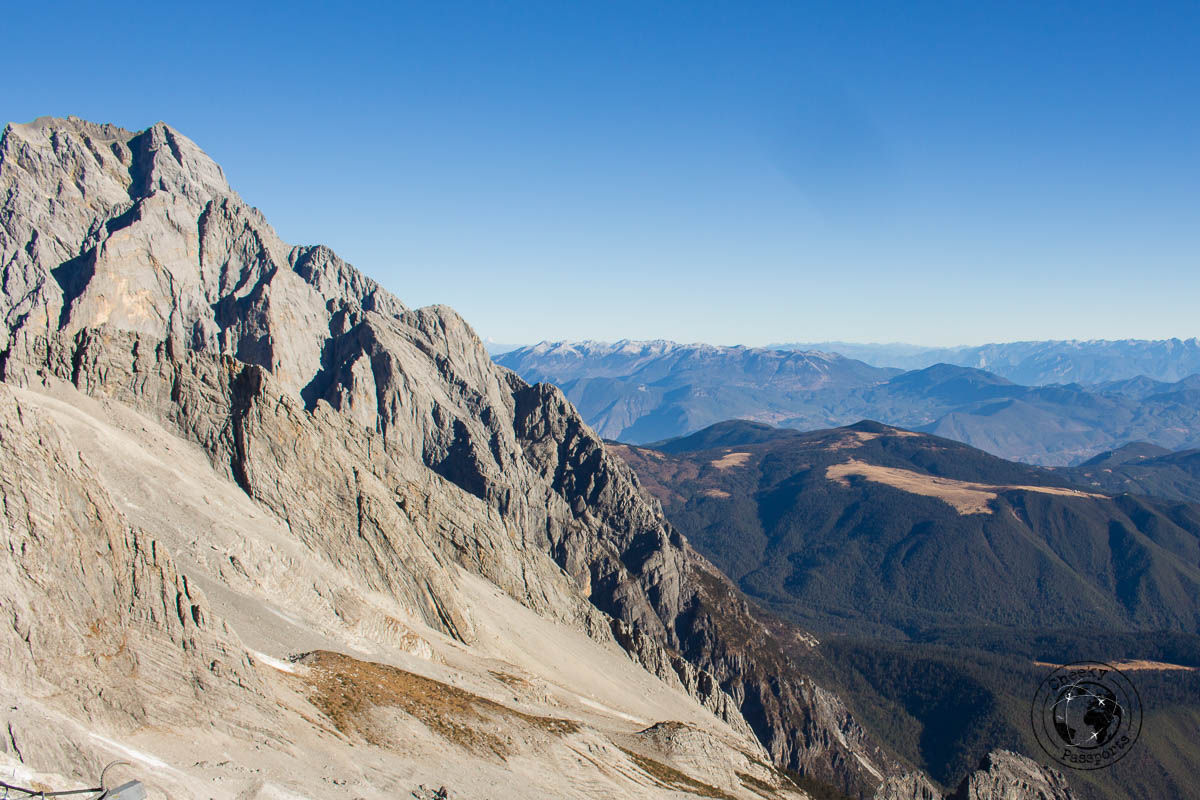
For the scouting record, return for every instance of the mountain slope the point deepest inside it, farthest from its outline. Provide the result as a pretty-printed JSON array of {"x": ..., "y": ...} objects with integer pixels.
[
  {"x": 1143, "y": 470},
  {"x": 394, "y": 468},
  {"x": 202, "y": 697},
  {"x": 825, "y": 525},
  {"x": 939, "y": 580}
]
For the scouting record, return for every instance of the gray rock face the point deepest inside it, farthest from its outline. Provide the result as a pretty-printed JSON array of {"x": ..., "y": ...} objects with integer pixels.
[
  {"x": 1003, "y": 775},
  {"x": 140, "y": 231},
  {"x": 911, "y": 786},
  {"x": 384, "y": 437},
  {"x": 93, "y": 609}
]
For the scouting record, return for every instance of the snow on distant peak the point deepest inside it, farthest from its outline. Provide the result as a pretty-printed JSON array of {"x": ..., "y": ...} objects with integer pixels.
[
  {"x": 593, "y": 348},
  {"x": 651, "y": 348}
]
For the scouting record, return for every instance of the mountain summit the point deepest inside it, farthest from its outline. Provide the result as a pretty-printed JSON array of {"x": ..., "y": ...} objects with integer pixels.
[{"x": 140, "y": 232}]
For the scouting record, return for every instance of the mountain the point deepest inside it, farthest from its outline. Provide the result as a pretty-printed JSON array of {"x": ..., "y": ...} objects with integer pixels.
[
  {"x": 733, "y": 432},
  {"x": 1142, "y": 469},
  {"x": 1138, "y": 387},
  {"x": 896, "y": 355},
  {"x": 644, "y": 391},
  {"x": 1133, "y": 452},
  {"x": 823, "y": 525},
  {"x": 1037, "y": 363},
  {"x": 937, "y": 576},
  {"x": 1053, "y": 425},
  {"x": 269, "y": 532}
]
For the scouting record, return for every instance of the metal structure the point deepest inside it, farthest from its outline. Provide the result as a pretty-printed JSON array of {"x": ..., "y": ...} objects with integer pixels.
[{"x": 131, "y": 790}]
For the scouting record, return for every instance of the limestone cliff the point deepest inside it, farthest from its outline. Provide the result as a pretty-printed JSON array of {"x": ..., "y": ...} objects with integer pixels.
[{"x": 1003, "y": 775}]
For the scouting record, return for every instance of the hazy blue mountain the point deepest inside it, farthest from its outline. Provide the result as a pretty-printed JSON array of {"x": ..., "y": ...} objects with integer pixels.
[
  {"x": 1039, "y": 362},
  {"x": 641, "y": 392},
  {"x": 645, "y": 391},
  {"x": 1049, "y": 425},
  {"x": 1142, "y": 387},
  {"x": 1138, "y": 386},
  {"x": 897, "y": 355}
]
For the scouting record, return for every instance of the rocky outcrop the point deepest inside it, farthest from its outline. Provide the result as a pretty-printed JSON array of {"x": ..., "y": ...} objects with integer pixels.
[
  {"x": 1003, "y": 775},
  {"x": 140, "y": 231},
  {"x": 910, "y": 786}
]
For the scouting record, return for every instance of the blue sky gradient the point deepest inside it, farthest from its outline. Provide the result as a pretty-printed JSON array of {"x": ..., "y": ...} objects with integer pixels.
[{"x": 932, "y": 172}]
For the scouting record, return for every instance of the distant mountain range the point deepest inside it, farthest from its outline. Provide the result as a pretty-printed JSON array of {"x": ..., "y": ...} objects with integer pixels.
[
  {"x": 1039, "y": 362},
  {"x": 639, "y": 392},
  {"x": 644, "y": 391}
]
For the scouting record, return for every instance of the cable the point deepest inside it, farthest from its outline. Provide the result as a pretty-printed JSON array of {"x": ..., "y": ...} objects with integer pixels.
[
  {"x": 8, "y": 787},
  {"x": 42, "y": 793}
]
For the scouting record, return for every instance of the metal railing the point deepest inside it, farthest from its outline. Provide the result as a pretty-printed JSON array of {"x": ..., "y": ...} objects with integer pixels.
[{"x": 132, "y": 790}]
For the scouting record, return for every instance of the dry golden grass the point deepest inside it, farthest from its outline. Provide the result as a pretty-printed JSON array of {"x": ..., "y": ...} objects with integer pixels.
[
  {"x": 754, "y": 784},
  {"x": 1133, "y": 665},
  {"x": 719, "y": 493},
  {"x": 513, "y": 681},
  {"x": 964, "y": 496},
  {"x": 659, "y": 477},
  {"x": 671, "y": 778},
  {"x": 731, "y": 460},
  {"x": 347, "y": 691}
]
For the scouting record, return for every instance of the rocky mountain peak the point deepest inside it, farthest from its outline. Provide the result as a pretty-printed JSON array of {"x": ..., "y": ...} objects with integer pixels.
[
  {"x": 395, "y": 465},
  {"x": 141, "y": 232}
]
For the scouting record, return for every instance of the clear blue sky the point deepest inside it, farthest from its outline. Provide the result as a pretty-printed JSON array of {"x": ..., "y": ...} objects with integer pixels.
[{"x": 940, "y": 173}]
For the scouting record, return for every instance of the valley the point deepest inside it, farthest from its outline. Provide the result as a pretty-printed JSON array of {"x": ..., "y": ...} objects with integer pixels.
[{"x": 942, "y": 581}]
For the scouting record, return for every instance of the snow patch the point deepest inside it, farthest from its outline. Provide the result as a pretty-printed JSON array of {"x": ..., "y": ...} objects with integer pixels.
[
  {"x": 612, "y": 711},
  {"x": 274, "y": 663},
  {"x": 137, "y": 755},
  {"x": 279, "y": 793}
]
